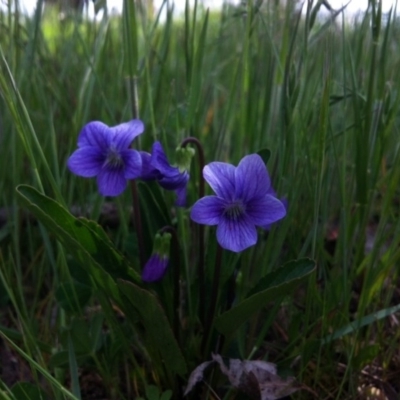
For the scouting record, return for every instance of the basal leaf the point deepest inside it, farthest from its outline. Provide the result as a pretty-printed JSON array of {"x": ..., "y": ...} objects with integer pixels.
[
  {"x": 275, "y": 285},
  {"x": 157, "y": 330},
  {"x": 83, "y": 239},
  {"x": 290, "y": 271}
]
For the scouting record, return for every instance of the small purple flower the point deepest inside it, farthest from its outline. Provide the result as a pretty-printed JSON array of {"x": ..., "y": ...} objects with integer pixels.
[
  {"x": 157, "y": 167},
  {"x": 105, "y": 152},
  {"x": 155, "y": 268},
  {"x": 242, "y": 202}
]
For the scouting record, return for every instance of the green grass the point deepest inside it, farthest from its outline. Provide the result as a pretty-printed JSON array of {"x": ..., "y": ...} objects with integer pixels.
[{"x": 324, "y": 97}]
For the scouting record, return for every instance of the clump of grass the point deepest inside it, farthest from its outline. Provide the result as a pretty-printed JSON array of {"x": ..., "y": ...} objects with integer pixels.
[{"x": 321, "y": 95}]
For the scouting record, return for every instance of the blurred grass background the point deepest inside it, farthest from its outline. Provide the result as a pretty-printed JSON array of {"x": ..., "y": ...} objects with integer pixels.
[{"x": 321, "y": 94}]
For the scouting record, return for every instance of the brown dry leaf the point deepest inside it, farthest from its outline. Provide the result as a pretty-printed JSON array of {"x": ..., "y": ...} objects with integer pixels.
[
  {"x": 277, "y": 388},
  {"x": 257, "y": 379},
  {"x": 197, "y": 375}
]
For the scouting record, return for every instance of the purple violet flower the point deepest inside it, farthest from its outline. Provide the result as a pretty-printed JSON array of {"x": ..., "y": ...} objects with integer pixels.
[
  {"x": 242, "y": 202},
  {"x": 155, "y": 268},
  {"x": 157, "y": 167},
  {"x": 105, "y": 152}
]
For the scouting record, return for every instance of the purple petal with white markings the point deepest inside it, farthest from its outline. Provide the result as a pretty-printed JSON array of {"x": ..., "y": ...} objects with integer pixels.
[
  {"x": 236, "y": 235},
  {"x": 265, "y": 211},
  {"x": 132, "y": 163},
  {"x": 124, "y": 134},
  {"x": 95, "y": 134},
  {"x": 251, "y": 178},
  {"x": 221, "y": 177},
  {"x": 86, "y": 162},
  {"x": 208, "y": 210},
  {"x": 111, "y": 183}
]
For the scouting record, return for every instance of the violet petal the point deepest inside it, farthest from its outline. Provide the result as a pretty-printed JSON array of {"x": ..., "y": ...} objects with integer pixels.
[
  {"x": 155, "y": 268},
  {"x": 124, "y": 134},
  {"x": 149, "y": 172},
  {"x": 111, "y": 182},
  {"x": 208, "y": 210},
  {"x": 251, "y": 178},
  {"x": 160, "y": 161},
  {"x": 236, "y": 235},
  {"x": 176, "y": 181},
  {"x": 285, "y": 203},
  {"x": 95, "y": 134},
  {"x": 221, "y": 177},
  {"x": 86, "y": 161},
  {"x": 265, "y": 211},
  {"x": 132, "y": 163}
]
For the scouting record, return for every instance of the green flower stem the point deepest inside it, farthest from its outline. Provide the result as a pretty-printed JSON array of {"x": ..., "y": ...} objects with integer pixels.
[{"x": 201, "y": 253}]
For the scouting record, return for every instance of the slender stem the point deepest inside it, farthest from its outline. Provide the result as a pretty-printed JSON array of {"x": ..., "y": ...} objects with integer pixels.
[
  {"x": 201, "y": 254},
  {"x": 176, "y": 256},
  {"x": 214, "y": 298}
]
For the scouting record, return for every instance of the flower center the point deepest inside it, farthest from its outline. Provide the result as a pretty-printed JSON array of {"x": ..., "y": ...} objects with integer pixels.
[
  {"x": 234, "y": 210},
  {"x": 114, "y": 159}
]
